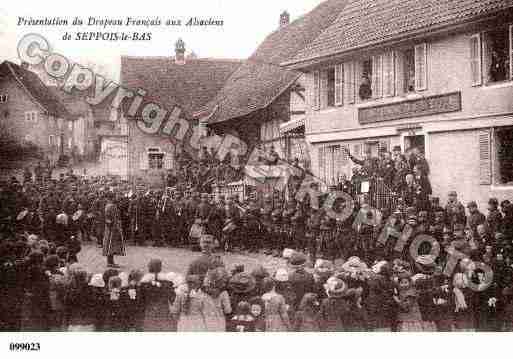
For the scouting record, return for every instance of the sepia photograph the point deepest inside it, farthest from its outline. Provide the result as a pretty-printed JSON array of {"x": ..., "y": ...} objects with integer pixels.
[{"x": 234, "y": 166}]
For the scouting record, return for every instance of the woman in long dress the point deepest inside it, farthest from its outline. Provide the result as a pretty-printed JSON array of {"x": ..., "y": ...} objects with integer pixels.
[
  {"x": 189, "y": 306},
  {"x": 217, "y": 301},
  {"x": 276, "y": 316}
]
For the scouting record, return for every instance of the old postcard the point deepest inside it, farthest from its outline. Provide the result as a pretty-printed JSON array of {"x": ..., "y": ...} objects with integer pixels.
[{"x": 236, "y": 166}]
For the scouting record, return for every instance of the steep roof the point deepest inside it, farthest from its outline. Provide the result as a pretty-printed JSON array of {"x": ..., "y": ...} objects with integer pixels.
[
  {"x": 261, "y": 79},
  {"x": 366, "y": 22},
  {"x": 36, "y": 89},
  {"x": 188, "y": 86}
]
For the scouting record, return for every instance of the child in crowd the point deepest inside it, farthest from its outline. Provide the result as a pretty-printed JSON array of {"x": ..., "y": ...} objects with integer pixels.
[{"x": 243, "y": 321}]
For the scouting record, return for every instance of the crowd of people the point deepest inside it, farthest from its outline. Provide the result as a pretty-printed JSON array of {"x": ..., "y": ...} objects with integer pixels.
[{"x": 355, "y": 274}]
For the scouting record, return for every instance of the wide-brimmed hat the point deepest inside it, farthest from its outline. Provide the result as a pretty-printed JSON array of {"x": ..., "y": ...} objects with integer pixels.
[
  {"x": 97, "y": 281},
  {"x": 242, "y": 283},
  {"x": 335, "y": 287},
  {"x": 281, "y": 275},
  {"x": 287, "y": 253},
  {"x": 297, "y": 260},
  {"x": 323, "y": 267}
]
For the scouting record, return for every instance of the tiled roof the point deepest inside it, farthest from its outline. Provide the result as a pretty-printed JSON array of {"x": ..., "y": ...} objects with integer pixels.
[
  {"x": 261, "y": 79},
  {"x": 189, "y": 86},
  {"x": 367, "y": 22},
  {"x": 36, "y": 89}
]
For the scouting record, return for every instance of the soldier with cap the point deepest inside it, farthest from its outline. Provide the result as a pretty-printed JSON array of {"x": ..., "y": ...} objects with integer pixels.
[
  {"x": 475, "y": 217},
  {"x": 494, "y": 217},
  {"x": 113, "y": 241},
  {"x": 454, "y": 210}
]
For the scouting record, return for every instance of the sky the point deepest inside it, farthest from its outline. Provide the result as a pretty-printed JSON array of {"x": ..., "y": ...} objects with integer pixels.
[{"x": 246, "y": 24}]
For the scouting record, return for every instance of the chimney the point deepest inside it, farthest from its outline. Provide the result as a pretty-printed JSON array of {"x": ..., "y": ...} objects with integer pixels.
[
  {"x": 284, "y": 19},
  {"x": 180, "y": 52}
]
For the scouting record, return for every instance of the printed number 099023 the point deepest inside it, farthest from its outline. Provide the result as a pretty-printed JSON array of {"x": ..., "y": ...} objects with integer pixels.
[{"x": 24, "y": 346}]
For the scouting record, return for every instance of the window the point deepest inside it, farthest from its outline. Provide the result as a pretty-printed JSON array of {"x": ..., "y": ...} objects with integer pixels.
[
  {"x": 365, "y": 88},
  {"x": 70, "y": 143},
  {"x": 316, "y": 90},
  {"x": 328, "y": 87},
  {"x": 70, "y": 125},
  {"x": 409, "y": 70},
  {"x": 420, "y": 67},
  {"x": 51, "y": 140},
  {"x": 388, "y": 68},
  {"x": 155, "y": 158},
  {"x": 3, "y": 98},
  {"x": 330, "y": 76},
  {"x": 504, "y": 156},
  {"x": 31, "y": 116},
  {"x": 498, "y": 54}
]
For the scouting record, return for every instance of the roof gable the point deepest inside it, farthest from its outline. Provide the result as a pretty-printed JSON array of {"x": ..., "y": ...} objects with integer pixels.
[
  {"x": 366, "y": 22},
  {"x": 36, "y": 89},
  {"x": 261, "y": 79}
]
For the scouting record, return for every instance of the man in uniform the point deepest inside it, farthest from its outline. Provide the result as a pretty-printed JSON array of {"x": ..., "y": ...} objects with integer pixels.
[{"x": 113, "y": 241}]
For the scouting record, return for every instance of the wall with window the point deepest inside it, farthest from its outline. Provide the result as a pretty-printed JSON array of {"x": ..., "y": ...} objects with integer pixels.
[
  {"x": 434, "y": 66},
  {"x": 25, "y": 119},
  {"x": 466, "y": 162}
]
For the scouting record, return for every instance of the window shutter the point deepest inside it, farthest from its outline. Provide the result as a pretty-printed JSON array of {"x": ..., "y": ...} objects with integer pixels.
[
  {"x": 322, "y": 166},
  {"x": 475, "y": 59},
  {"x": 383, "y": 145},
  {"x": 339, "y": 83},
  {"x": 144, "y": 161},
  {"x": 377, "y": 76},
  {"x": 324, "y": 89},
  {"x": 168, "y": 161},
  {"x": 399, "y": 73},
  {"x": 388, "y": 74},
  {"x": 349, "y": 85},
  {"x": 485, "y": 158},
  {"x": 511, "y": 51},
  {"x": 420, "y": 67},
  {"x": 316, "y": 90}
]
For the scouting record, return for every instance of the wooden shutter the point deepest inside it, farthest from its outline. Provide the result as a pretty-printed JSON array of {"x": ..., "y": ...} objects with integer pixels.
[
  {"x": 485, "y": 157},
  {"x": 475, "y": 59},
  {"x": 420, "y": 67},
  {"x": 377, "y": 75},
  {"x": 339, "y": 83},
  {"x": 324, "y": 89},
  {"x": 316, "y": 90},
  {"x": 388, "y": 74},
  {"x": 384, "y": 145},
  {"x": 322, "y": 164},
  {"x": 511, "y": 51},
  {"x": 399, "y": 73},
  {"x": 144, "y": 161},
  {"x": 168, "y": 161},
  {"x": 349, "y": 83}
]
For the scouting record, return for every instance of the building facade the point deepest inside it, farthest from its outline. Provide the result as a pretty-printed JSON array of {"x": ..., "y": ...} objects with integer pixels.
[
  {"x": 32, "y": 114},
  {"x": 441, "y": 84}
]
